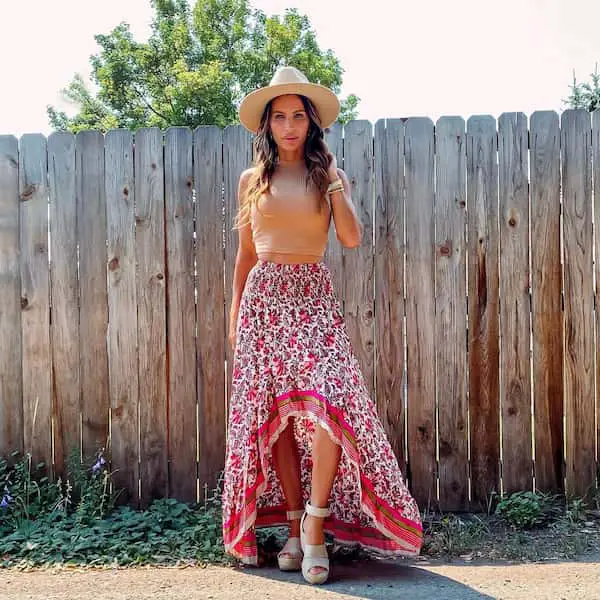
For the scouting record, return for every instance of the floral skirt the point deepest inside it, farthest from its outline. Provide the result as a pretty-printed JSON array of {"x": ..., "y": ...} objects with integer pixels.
[{"x": 293, "y": 359}]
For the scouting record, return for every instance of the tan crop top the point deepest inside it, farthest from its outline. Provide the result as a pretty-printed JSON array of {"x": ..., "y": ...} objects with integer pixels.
[{"x": 291, "y": 218}]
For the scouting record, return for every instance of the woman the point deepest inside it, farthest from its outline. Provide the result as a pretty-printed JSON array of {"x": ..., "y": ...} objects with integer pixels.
[{"x": 305, "y": 446}]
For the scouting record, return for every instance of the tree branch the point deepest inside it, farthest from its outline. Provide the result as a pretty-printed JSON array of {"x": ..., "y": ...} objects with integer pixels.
[{"x": 149, "y": 106}]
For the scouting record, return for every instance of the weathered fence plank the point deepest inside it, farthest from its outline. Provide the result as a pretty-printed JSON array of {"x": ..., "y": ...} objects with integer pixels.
[
  {"x": 93, "y": 300},
  {"x": 126, "y": 312},
  {"x": 515, "y": 363},
  {"x": 420, "y": 307},
  {"x": 483, "y": 326},
  {"x": 334, "y": 253},
  {"x": 181, "y": 314},
  {"x": 389, "y": 281},
  {"x": 451, "y": 317},
  {"x": 578, "y": 293},
  {"x": 35, "y": 297},
  {"x": 546, "y": 300},
  {"x": 64, "y": 328},
  {"x": 11, "y": 374},
  {"x": 122, "y": 310},
  {"x": 358, "y": 291},
  {"x": 151, "y": 298},
  {"x": 213, "y": 315},
  {"x": 596, "y": 188},
  {"x": 237, "y": 157}
]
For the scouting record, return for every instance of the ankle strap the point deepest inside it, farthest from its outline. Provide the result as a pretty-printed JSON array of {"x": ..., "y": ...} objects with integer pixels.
[
  {"x": 294, "y": 514},
  {"x": 314, "y": 511}
]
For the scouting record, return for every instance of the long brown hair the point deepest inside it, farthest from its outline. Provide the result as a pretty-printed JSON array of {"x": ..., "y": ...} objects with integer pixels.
[{"x": 266, "y": 156}]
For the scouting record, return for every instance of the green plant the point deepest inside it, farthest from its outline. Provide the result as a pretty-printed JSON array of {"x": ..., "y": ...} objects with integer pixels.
[
  {"x": 28, "y": 493},
  {"x": 521, "y": 509},
  {"x": 168, "y": 532},
  {"x": 76, "y": 522}
]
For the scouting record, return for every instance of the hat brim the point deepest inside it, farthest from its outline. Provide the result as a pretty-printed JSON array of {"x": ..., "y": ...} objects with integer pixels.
[{"x": 325, "y": 101}]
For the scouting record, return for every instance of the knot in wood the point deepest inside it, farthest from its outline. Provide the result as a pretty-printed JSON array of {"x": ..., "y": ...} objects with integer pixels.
[
  {"x": 445, "y": 449},
  {"x": 28, "y": 192},
  {"x": 446, "y": 248}
]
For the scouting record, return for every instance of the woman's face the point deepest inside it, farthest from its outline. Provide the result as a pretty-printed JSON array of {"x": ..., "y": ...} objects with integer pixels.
[{"x": 289, "y": 122}]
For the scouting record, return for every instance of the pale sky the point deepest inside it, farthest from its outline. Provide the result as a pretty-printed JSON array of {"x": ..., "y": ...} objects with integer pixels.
[{"x": 424, "y": 58}]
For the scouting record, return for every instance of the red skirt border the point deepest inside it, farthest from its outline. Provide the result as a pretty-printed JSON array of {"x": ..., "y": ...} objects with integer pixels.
[{"x": 393, "y": 535}]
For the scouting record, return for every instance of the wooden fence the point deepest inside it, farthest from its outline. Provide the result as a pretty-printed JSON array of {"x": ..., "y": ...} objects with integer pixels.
[{"x": 470, "y": 304}]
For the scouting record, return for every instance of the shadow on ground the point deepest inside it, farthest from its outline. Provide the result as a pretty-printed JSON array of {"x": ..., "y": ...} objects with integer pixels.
[{"x": 379, "y": 580}]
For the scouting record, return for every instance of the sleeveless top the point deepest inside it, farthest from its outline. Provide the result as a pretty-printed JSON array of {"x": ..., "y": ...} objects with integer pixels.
[{"x": 291, "y": 218}]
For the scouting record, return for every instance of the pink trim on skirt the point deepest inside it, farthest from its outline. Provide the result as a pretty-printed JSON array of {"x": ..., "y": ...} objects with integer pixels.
[{"x": 294, "y": 363}]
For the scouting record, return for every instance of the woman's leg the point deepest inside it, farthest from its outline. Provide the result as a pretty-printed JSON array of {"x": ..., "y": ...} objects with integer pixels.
[
  {"x": 326, "y": 458},
  {"x": 287, "y": 467}
]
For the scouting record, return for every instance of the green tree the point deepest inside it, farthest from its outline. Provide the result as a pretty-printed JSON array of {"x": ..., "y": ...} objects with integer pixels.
[
  {"x": 585, "y": 95},
  {"x": 196, "y": 66}
]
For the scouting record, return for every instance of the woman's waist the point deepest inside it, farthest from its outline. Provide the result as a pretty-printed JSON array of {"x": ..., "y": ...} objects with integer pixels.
[
  {"x": 271, "y": 278},
  {"x": 283, "y": 257}
]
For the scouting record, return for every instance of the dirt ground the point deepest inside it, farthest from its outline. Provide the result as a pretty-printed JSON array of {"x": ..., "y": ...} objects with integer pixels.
[{"x": 371, "y": 580}]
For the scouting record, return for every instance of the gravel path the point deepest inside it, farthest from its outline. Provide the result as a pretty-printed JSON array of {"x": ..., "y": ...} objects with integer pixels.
[{"x": 371, "y": 581}]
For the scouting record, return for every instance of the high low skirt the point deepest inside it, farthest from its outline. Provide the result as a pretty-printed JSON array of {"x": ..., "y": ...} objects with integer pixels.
[{"x": 294, "y": 359}]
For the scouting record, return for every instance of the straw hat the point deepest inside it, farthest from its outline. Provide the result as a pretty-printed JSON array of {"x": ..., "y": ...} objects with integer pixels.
[{"x": 288, "y": 80}]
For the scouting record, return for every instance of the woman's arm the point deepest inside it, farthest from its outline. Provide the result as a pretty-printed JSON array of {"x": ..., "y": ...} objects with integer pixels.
[
  {"x": 348, "y": 228},
  {"x": 244, "y": 261}
]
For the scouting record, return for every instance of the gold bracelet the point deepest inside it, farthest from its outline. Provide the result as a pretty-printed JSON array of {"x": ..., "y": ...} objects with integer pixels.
[{"x": 335, "y": 184}]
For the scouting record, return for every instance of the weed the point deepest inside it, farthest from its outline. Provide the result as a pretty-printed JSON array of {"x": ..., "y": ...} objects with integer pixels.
[
  {"x": 576, "y": 511},
  {"x": 453, "y": 535}
]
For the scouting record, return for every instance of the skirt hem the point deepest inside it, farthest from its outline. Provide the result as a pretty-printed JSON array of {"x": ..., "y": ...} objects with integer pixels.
[{"x": 393, "y": 534}]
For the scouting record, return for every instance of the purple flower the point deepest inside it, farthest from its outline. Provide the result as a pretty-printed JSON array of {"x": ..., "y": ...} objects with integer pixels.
[
  {"x": 98, "y": 465},
  {"x": 6, "y": 499}
]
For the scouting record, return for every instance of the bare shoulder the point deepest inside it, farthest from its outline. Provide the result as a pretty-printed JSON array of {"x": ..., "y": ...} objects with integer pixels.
[
  {"x": 245, "y": 176},
  {"x": 243, "y": 183}
]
